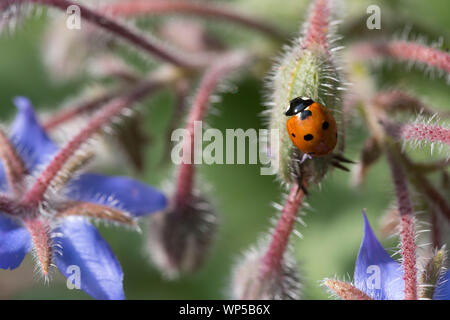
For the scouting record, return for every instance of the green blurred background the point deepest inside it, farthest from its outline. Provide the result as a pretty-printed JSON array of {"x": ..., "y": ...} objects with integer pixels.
[{"x": 242, "y": 196}]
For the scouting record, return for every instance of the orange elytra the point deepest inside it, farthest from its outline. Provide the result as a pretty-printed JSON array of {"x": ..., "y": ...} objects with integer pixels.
[{"x": 311, "y": 127}]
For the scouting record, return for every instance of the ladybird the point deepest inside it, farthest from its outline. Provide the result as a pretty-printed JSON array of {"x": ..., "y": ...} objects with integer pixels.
[{"x": 311, "y": 127}]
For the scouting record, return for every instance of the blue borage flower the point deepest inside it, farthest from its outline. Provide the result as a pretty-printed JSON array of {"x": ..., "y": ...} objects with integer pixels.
[
  {"x": 80, "y": 243},
  {"x": 373, "y": 261}
]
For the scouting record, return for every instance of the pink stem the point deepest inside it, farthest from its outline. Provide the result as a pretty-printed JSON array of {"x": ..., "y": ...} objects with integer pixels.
[
  {"x": 40, "y": 236},
  {"x": 407, "y": 233},
  {"x": 346, "y": 290},
  {"x": 120, "y": 30},
  {"x": 208, "y": 85},
  {"x": 141, "y": 7},
  {"x": 272, "y": 260},
  {"x": 404, "y": 50},
  {"x": 103, "y": 117},
  {"x": 318, "y": 23},
  {"x": 424, "y": 132},
  {"x": 71, "y": 113}
]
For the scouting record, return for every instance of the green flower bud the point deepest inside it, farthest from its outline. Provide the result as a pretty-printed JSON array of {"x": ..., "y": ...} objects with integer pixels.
[{"x": 308, "y": 68}]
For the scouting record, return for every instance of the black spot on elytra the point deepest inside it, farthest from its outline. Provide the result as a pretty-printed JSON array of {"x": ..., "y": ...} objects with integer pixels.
[
  {"x": 305, "y": 114},
  {"x": 308, "y": 137},
  {"x": 293, "y": 135},
  {"x": 325, "y": 125}
]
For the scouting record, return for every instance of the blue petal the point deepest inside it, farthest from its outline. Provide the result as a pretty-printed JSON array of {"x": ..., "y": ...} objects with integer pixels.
[
  {"x": 376, "y": 273},
  {"x": 15, "y": 242},
  {"x": 3, "y": 180},
  {"x": 29, "y": 137},
  {"x": 442, "y": 291},
  {"x": 119, "y": 192},
  {"x": 84, "y": 248}
]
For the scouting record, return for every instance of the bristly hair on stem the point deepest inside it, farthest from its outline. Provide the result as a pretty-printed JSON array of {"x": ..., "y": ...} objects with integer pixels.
[
  {"x": 318, "y": 24},
  {"x": 423, "y": 132},
  {"x": 68, "y": 114},
  {"x": 272, "y": 260},
  {"x": 179, "y": 240},
  {"x": 102, "y": 118},
  {"x": 405, "y": 51},
  {"x": 407, "y": 228},
  {"x": 345, "y": 290},
  {"x": 213, "y": 76}
]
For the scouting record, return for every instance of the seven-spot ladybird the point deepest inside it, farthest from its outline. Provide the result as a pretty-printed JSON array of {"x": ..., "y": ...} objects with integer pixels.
[{"x": 312, "y": 127}]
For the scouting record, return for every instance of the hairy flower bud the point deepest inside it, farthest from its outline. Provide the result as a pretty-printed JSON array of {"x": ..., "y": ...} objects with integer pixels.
[
  {"x": 307, "y": 68},
  {"x": 179, "y": 239},
  {"x": 434, "y": 269},
  {"x": 281, "y": 284}
]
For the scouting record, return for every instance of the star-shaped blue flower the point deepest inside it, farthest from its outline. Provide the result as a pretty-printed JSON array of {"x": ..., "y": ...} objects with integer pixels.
[
  {"x": 80, "y": 243},
  {"x": 381, "y": 277}
]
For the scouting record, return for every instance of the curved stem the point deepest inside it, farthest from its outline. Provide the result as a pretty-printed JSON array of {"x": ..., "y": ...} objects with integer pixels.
[
  {"x": 147, "y": 44},
  {"x": 208, "y": 85},
  {"x": 71, "y": 113},
  {"x": 204, "y": 9},
  {"x": 272, "y": 260},
  {"x": 404, "y": 50},
  {"x": 103, "y": 117}
]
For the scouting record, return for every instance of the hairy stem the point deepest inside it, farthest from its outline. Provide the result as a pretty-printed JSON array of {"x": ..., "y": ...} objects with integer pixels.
[
  {"x": 318, "y": 23},
  {"x": 213, "y": 76},
  {"x": 404, "y": 50},
  {"x": 272, "y": 260},
  {"x": 418, "y": 131},
  {"x": 102, "y": 118},
  {"x": 145, "y": 43},
  {"x": 66, "y": 115},
  {"x": 346, "y": 290},
  {"x": 407, "y": 233},
  {"x": 12, "y": 163},
  {"x": 204, "y": 9},
  {"x": 40, "y": 236}
]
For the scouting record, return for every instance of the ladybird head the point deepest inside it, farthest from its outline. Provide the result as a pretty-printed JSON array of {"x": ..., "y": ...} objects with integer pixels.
[{"x": 297, "y": 105}]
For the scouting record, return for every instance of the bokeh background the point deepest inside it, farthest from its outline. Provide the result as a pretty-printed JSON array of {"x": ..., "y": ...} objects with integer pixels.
[{"x": 242, "y": 196}]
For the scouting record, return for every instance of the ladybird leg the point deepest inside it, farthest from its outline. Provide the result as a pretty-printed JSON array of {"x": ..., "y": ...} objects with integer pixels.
[
  {"x": 341, "y": 158},
  {"x": 305, "y": 157},
  {"x": 339, "y": 166}
]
